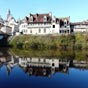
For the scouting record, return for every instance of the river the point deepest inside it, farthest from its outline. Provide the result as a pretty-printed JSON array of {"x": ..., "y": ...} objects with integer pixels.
[{"x": 43, "y": 69}]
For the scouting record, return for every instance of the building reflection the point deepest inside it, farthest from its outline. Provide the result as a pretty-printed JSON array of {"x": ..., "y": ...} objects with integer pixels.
[
  {"x": 34, "y": 66},
  {"x": 44, "y": 67}
]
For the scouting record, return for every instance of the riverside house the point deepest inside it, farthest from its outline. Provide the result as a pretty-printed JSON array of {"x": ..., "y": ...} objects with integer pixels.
[
  {"x": 79, "y": 27},
  {"x": 42, "y": 24},
  {"x": 11, "y": 22},
  {"x": 3, "y": 28}
]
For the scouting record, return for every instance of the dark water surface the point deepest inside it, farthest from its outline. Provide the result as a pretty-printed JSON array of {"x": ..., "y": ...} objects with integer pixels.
[{"x": 42, "y": 72}]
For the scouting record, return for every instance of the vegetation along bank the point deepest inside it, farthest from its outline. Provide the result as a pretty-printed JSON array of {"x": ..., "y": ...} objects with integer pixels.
[{"x": 77, "y": 41}]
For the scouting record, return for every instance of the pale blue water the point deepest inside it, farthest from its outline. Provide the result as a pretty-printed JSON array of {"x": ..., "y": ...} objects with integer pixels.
[
  {"x": 1, "y": 37},
  {"x": 75, "y": 78}
]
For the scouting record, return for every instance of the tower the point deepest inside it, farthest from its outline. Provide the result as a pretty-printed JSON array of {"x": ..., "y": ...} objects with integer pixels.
[{"x": 8, "y": 14}]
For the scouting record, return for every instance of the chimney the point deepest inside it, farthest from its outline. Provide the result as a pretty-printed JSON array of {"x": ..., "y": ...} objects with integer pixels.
[
  {"x": 37, "y": 14},
  {"x": 50, "y": 14}
]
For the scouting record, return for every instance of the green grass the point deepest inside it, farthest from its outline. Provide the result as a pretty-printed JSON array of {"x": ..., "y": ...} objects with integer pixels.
[{"x": 65, "y": 42}]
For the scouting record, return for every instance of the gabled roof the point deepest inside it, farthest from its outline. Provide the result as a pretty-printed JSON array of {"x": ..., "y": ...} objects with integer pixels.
[
  {"x": 79, "y": 23},
  {"x": 65, "y": 18},
  {"x": 39, "y": 18},
  {"x": 1, "y": 20}
]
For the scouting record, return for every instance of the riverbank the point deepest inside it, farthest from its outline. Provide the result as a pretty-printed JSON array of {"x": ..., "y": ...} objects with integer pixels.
[{"x": 79, "y": 41}]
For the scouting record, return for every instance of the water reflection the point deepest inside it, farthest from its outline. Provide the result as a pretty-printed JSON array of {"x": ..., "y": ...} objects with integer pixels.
[
  {"x": 35, "y": 66},
  {"x": 17, "y": 71}
]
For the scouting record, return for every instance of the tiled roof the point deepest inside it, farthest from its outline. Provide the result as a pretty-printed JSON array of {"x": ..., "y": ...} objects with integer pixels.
[
  {"x": 80, "y": 23},
  {"x": 1, "y": 20},
  {"x": 39, "y": 18},
  {"x": 65, "y": 18}
]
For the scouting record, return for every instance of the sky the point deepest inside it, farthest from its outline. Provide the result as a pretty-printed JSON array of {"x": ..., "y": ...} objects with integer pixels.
[{"x": 76, "y": 9}]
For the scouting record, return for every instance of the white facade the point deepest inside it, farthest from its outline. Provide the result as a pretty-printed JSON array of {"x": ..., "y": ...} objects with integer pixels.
[
  {"x": 11, "y": 22},
  {"x": 39, "y": 28},
  {"x": 13, "y": 25},
  {"x": 45, "y": 24},
  {"x": 23, "y": 28},
  {"x": 39, "y": 62},
  {"x": 45, "y": 27},
  {"x": 6, "y": 29},
  {"x": 80, "y": 28}
]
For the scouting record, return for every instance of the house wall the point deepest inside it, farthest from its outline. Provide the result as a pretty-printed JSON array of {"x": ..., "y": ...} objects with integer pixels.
[
  {"x": 39, "y": 29},
  {"x": 6, "y": 29},
  {"x": 56, "y": 29},
  {"x": 39, "y": 62},
  {"x": 42, "y": 27},
  {"x": 80, "y": 28},
  {"x": 23, "y": 28}
]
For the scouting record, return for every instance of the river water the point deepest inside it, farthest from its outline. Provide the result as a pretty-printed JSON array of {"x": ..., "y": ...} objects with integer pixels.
[{"x": 62, "y": 71}]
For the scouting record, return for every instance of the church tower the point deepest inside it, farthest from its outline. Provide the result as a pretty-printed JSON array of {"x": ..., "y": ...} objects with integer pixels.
[{"x": 9, "y": 15}]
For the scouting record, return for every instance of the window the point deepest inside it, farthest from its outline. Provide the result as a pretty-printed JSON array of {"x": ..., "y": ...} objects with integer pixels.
[
  {"x": 65, "y": 23},
  {"x": 31, "y": 19},
  {"x": 53, "y": 26},
  {"x": 60, "y": 31},
  {"x": 44, "y": 60},
  {"x": 39, "y": 30},
  {"x": 44, "y": 23},
  {"x": 24, "y": 30},
  {"x": 53, "y": 64},
  {"x": 44, "y": 30},
  {"x": 22, "y": 25},
  {"x": 45, "y": 19},
  {"x": 39, "y": 59},
  {"x": 30, "y": 31},
  {"x": 65, "y": 31},
  {"x": 68, "y": 31},
  {"x": 53, "y": 21}
]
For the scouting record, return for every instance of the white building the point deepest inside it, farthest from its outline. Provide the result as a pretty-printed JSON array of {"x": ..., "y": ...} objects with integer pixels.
[
  {"x": 1, "y": 22},
  {"x": 6, "y": 30},
  {"x": 39, "y": 62},
  {"x": 42, "y": 24},
  {"x": 65, "y": 25},
  {"x": 79, "y": 27},
  {"x": 11, "y": 22}
]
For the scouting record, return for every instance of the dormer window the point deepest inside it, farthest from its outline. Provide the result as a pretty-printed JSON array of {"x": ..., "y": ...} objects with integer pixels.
[
  {"x": 54, "y": 19},
  {"x": 65, "y": 23},
  {"x": 31, "y": 18},
  {"x": 45, "y": 19}
]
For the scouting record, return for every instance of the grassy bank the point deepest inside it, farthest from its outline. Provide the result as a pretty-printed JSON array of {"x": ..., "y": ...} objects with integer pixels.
[{"x": 79, "y": 41}]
